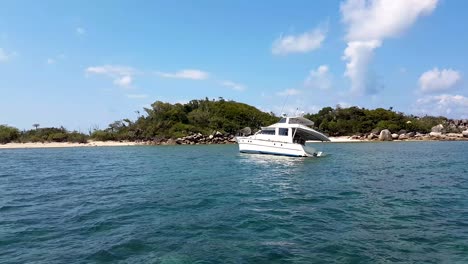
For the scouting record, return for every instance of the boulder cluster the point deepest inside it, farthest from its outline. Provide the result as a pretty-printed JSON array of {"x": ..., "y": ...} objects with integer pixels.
[
  {"x": 458, "y": 124},
  {"x": 438, "y": 132},
  {"x": 198, "y": 139}
]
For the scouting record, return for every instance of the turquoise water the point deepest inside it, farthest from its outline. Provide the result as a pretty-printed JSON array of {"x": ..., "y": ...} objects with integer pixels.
[{"x": 362, "y": 203}]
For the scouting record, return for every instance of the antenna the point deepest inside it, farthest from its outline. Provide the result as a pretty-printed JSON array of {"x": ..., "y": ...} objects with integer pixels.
[{"x": 284, "y": 104}]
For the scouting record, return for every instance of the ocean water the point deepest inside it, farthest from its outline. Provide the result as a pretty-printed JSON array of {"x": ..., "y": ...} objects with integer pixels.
[{"x": 361, "y": 203}]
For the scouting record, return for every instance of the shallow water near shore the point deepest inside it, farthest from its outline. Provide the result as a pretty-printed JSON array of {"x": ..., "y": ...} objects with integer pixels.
[{"x": 361, "y": 203}]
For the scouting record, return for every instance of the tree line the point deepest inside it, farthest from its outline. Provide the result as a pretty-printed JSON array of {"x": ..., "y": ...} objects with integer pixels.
[
  {"x": 49, "y": 134},
  {"x": 353, "y": 120},
  {"x": 166, "y": 120}
]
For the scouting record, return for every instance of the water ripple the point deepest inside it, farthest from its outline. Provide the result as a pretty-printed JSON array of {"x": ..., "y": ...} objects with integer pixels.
[{"x": 361, "y": 203}]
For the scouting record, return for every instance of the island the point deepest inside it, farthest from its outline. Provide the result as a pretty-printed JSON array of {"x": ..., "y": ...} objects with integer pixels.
[{"x": 218, "y": 121}]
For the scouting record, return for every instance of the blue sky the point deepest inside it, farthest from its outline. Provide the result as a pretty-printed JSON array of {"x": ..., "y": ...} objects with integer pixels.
[{"x": 84, "y": 64}]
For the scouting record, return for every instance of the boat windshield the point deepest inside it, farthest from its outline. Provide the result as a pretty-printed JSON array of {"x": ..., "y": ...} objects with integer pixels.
[
  {"x": 283, "y": 120},
  {"x": 301, "y": 121}
]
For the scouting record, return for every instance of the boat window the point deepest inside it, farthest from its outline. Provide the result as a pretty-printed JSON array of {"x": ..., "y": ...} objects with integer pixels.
[
  {"x": 268, "y": 132},
  {"x": 294, "y": 121},
  {"x": 283, "y": 120},
  {"x": 301, "y": 121},
  {"x": 283, "y": 131}
]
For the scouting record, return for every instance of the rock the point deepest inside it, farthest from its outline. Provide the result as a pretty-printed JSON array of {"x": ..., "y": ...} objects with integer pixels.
[
  {"x": 371, "y": 136},
  {"x": 401, "y": 132},
  {"x": 170, "y": 142},
  {"x": 210, "y": 137},
  {"x": 455, "y": 135},
  {"x": 435, "y": 134},
  {"x": 218, "y": 134},
  {"x": 158, "y": 141},
  {"x": 438, "y": 129},
  {"x": 394, "y": 136},
  {"x": 375, "y": 131},
  {"x": 385, "y": 135},
  {"x": 179, "y": 141},
  {"x": 402, "y": 137},
  {"x": 465, "y": 133},
  {"x": 452, "y": 127},
  {"x": 410, "y": 134}
]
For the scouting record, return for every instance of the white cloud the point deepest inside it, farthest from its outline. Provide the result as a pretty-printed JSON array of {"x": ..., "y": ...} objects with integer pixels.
[
  {"x": 233, "y": 85},
  {"x": 359, "y": 54},
  {"x": 319, "y": 78},
  {"x": 369, "y": 23},
  {"x": 301, "y": 43},
  {"x": 123, "y": 81},
  {"x": 186, "y": 74},
  {"x": 50, "y": 61},
  {"x": 380, "y": 19},
  {"x": 122, "y": 75},
  {"x": 137, "y": 96},
  {"x": 437, "y": 80},
  {"x": 288, "y": 92},
  {"x": 6, "y": 56},
  {"x": 445, "y": 104},
  {"x": 80, "y": 31}
]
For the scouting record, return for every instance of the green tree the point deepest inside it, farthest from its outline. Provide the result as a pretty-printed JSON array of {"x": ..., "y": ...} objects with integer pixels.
[{"x": 8, "y": 134}]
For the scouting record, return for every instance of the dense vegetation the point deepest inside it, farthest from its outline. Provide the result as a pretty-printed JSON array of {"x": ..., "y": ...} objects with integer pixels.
[
  {"x": 8, "y": 134},
  {"x": 354, "y": 120},
  {"x": 165, "y": 120},
  {"x": 11, "y": 134}
]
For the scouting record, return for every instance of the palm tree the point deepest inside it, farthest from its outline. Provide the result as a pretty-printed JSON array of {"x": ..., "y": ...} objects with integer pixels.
[{"x": 36, "y": 126}]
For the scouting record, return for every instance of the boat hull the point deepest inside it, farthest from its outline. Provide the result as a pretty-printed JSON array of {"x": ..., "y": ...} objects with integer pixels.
[{"x": 257, "y": 146}]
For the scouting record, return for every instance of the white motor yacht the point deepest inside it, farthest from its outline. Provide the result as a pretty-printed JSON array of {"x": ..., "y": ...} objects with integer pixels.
[{"x": 287, "y": 137}]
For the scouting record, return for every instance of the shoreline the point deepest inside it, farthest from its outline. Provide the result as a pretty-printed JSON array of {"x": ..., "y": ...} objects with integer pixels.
[
  {"x": 68, "y": 144},
  {"x": 30, "y": 145}
]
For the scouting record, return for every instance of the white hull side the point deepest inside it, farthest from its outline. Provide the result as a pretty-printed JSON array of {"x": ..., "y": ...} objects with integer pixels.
[{"x": 248, "y": 145}]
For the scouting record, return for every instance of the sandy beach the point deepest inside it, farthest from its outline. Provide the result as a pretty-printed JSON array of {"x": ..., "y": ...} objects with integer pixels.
[
  {"x": 68, "y": 145},
  {"x": 343, "y": 139}
]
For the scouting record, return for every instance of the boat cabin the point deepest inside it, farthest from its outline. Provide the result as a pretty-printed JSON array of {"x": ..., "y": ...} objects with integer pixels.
[{"x": 291, "y": 130}]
